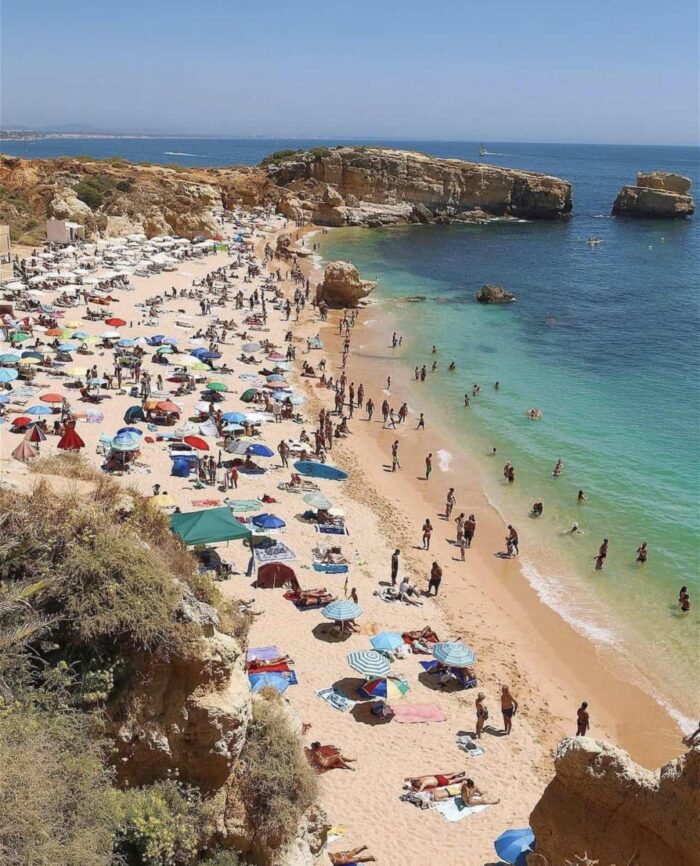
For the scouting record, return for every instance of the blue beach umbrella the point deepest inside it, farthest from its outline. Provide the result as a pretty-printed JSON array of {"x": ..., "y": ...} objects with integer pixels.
[
  {"x": 9, "y": 357},
  {"x": 342, "y": 611},
  {"x": 233, "y": 417},
  {"x": 369, "y": 663},
  {"x": 170, "y": 341},
  {"x": 199, "y": 351},
  {"x": 8, "y": 375},
  {"x": 67, "y": 347},
  {"x": 260, "y": 450},
  {"x": 4, "y": 398},
  {"x": 268, "y": 521},
  {"x": 513, "y": 846},
  {"x": 134, "y": 430},
  {"x": 39, "y": 410},
  {"x": 386, "y": 641},
  {"x": 232, "y": 428},
  {"x": 126, "y": 442},
  {"x": 126, "y": 342},
  {"x": 269, "y": 681},
  {"x": 275, "y": 377},
  {"x": 80, "y": 335},
  {"x": 456, "y": 655}
]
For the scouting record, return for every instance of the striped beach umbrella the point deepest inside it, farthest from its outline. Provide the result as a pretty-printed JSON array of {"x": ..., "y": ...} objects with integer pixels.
[
  {"x": 385, "y": 687},
  {"x": 455, "y": 655},
  {"x": 386, "y": 641},
  {"x": 342, "y": 611},
  {"x": 369, "y": 663}
]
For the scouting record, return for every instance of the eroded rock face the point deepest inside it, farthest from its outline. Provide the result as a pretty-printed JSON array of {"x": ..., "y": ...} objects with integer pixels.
[
  {"x": 601, "y": 804},
  {"x": 659, "y": 194},
  {"x": 342, "y": 287},
  {"x": 490, "y": 294},
  {"x": 379, "y": 186}
]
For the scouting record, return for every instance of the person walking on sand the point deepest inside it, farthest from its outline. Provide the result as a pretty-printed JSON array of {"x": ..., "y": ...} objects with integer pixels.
[
  {"x": 482, "y": 714},
  {"x": 427, "y": 531},
  {"x": 583, "y": 721},
  {"x": 370, "y": 409},
  {"x": 421, "y": 422},
  {"x": 509, "y": 707},
  {"x": 469, "y": 530},
  {"x": 462, "y": 546},
  {"x": 395, "y": 456},
  {"x": 435, "y": 578},
  {"x": 395, "y": 566},
  {"x": 449, "y": 503},
  {"x": 428, "y": 466}
]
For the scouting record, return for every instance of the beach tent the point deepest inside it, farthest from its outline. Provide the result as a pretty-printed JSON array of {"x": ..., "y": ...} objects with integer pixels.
[
  {"x": 275, "y": 574},
  {"x": 208, "y": 526},
  {"x": 25, "y": 452},
  {"x": 135, "y": 413},
  {"x": 70, "y": 441},
  {"x": 183, "y": 464}
]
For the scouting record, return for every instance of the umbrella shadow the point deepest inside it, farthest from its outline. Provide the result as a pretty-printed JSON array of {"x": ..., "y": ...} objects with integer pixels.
[
  {"x": 432, "y": 681},
  {"x": 349, "y": 687},
  {"x": 363, "y": 714},
  {"x": 328, "y": 632}
]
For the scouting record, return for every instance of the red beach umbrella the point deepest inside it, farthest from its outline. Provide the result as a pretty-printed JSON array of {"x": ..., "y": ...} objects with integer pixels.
[
  {"x": 167, "y": 406},
  {"x": 53, "y": 332},
  {"x": 115, "y": 323},
  {"x": 196, "y": 442},
  {"x": 51, "y": 398},
  {"x": 36, "y": 434},
  {"x": 70, "y": 441},
  {"x": 22, "y": 421}
]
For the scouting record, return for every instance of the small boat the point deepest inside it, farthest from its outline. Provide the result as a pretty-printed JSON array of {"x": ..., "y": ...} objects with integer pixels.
[{"x": 482, "y": 150}]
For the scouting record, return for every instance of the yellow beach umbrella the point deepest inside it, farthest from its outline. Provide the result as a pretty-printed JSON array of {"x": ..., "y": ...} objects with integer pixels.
[
  {"x": 28, "y": 362},
  {"x": 91, "y": 340},
  {"x": 185, "y": 361},
  {"x": 73, "y": 324},
  {"x": 78, "y": 372}
]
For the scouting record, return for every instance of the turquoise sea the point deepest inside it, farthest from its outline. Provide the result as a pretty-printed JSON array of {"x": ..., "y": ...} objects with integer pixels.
[{"x": 604, "y": 340}]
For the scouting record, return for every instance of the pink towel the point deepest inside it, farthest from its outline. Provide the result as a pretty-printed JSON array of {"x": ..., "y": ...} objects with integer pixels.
[{"x": 414, "y": 713}]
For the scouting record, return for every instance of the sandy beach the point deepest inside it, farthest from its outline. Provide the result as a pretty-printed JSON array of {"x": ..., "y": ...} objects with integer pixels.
[{"x": 484, "y": 601}]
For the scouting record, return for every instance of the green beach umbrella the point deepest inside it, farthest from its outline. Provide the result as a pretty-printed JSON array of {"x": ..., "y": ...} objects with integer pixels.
[{"x": 217, "y": 386}]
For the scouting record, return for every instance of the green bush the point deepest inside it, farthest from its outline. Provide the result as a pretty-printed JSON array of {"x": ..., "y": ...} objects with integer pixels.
[
  {"x": 223, "y": 857},
  {"x": 92, "y": 189},
  {"x": 57, "y": 805},
  {"x": 124, "y": 185},
  {"x": 162, "y": 825},
  {"x": 276, "y": 782},
  {"x": 279, "y": 156}
]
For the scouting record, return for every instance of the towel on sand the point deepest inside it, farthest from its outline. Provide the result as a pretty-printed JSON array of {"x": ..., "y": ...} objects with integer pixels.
[
  {"x": 413, "y": 713},
  {"x": 330, "y": 568},
  {"x": 454, "y": 810},
  {"x": 336, "y": 699},
  {"x": 263, "y": 652}
]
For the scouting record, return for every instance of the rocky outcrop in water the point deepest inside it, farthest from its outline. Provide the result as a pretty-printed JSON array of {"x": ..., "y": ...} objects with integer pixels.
[
  {"x": 379, "y": 186},
  {"x": 490, "y": 294},
  {"x": 342, "y": 287},
  {"x": 603, "y": 806},
  {"x": 659, "y": 194}
]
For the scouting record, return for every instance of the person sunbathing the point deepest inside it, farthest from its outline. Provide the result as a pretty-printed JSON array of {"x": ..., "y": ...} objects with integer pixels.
[
  {"x": 257, "y": 663},
  {"x": 439, "y": 780},
  {"x": 425, "y": 635},
  {"x": 347, "y": 858},
  {"x": 311, "y": 597},
  {"x": 327, "y": 758},
  {"x": 470, "y": 794}
]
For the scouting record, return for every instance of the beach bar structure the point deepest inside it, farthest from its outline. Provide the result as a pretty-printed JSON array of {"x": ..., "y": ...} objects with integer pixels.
[{"x": 64, "y": 232}]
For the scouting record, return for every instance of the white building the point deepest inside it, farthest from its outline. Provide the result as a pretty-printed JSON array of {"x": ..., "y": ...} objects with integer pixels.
[
  {"x": 64, "y": 232},
  {"x": 5, "y": 248}
]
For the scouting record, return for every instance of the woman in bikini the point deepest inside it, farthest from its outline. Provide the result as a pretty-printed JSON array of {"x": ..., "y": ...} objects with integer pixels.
[
  {"x": 327, "y": 758},
  {"x": 482, "y": 714},
  {"x": 439, "y": 780},
  {"x": 347, "y": 858}
]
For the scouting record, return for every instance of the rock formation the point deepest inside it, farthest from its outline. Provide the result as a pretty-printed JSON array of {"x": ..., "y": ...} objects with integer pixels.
[
  {"x": 660, "y": 194},
  {"x": 342, "y": 287},
  {"x": 603, "y": 805},
  {"x": 490, "y": 294},
  {"x": 377, "y": 186}
]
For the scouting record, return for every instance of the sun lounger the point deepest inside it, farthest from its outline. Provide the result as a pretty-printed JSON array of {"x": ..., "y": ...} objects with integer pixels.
[{"x": 336, "y": 699}]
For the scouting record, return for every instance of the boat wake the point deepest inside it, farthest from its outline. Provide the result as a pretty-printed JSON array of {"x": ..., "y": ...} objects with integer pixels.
[{"x": 182, "y": 153}]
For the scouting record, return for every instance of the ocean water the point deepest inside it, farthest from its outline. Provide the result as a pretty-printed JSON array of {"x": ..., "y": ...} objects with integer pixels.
[{"x": 604, "y": 340}]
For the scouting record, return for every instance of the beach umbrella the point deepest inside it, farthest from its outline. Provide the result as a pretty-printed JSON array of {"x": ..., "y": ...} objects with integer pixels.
[
  {"x": 54, "y": 332},
  {"x": 384, "y": 687},
  {"x": 513, "y": 846},
  {"x": 77, "y": 372},
  {"x": 126, "y": 442},
  {"x": 68, "y": 347},
  {"x": 249, "y": 395},
  {"x": 233, "y": 417},
  {"x": 70, "y": 441},
  {"x": 318, "y": 500},
  {"x": 9, "y": 357},
  {"x": 126, "y": 343},
  {"x": 22, "y": 421},
  {"x": 260, "y": 450},
  {"x": 72, "y": 324},
  {"x": 8, "y": 375},
  {"x": 167, "y": 406},
  {"x": 116, "y": 323},
  {"x": 187, "y": 361},
  {"x": 39, "y": 410},
  {"x": 269, "y": 681},
  {"x": 134, "y": 430},
  {"x": 268, "y": 521},
  {"x": 217, "y": 386},
  {"x": 35, "y": 434},
  {"x": 25, "y": 452},
  {"x": 37, "y": 355},
  {"x": 232, "y": 428},
  {"x": 196, "y": 442},
  {"x": 27, "y": 362},
  {"x": 164, "y": 350},
  {"x": 275, "y": 356},
  {"x": 369, "y": 663},
  {"x": 386, "y": 641},
  {"x": 80, "y": 335},
  {"x": 19, "y": 337},
  {"x": 51, "y": 398},
  {"x": 455, "y": 654},
  {"x": 170, "y": 341},
  {"x": 275, "y": 377},
  {"x": 110, "y": 334},
  {"x": 342, "y": 611},
  {"x": 251, "y": 347}
]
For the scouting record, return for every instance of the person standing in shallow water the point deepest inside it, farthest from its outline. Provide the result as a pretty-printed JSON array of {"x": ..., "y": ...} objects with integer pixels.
[
  {"x": 601, "y": 556},
  {"x": 583, "y": 721},
  {"x": 642, "y": 552}
]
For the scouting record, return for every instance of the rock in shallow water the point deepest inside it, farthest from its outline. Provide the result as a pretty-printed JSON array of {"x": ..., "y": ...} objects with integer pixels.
[{"x": 490, "y": 294}]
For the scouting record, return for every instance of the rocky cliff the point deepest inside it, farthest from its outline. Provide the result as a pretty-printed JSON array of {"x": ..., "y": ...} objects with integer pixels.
[
  {"x": 342, "y": 287},
  {"x": 659, "y": 194},
  {"x": 603, "y": 806},
  {"x": 376, "y": 186}
]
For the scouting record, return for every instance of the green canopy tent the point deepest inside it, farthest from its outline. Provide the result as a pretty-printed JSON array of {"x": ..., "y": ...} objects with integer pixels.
[{"x": 208, "y": 526}]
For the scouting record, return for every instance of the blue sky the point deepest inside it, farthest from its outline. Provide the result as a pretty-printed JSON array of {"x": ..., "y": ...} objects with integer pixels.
[{"x": 501, "y": 70}]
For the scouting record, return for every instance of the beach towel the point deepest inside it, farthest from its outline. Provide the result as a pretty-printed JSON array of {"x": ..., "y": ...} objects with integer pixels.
[
  {"x": 263, "y": 652},
  {"x": 330, "y": 568},
  {"x": 273, "y": 553},
  {"x": 414, "y": 713},
  {"x": 454, "y": 810},
  {"x": 204, "y": 503},
  {"x": 95, "y": 417},
  {"x": 328, "y": 529},
  {"x": 336, "y": 699},
  {"x": 288, "y": 675}
]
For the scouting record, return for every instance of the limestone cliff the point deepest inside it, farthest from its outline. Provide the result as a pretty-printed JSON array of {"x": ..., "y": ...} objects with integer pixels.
[
  {"x": 659, "y": 194},
  {"x": 602, "y": 805},
  {"x": 375, "y": 186},
  {"x": 342, "y": 287}
]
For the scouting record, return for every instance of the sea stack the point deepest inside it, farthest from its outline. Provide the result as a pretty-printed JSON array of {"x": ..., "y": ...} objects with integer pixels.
[
  {"x": 342, "y": 286},
  {"x": 659, "y": 194},
  {"x": 490, "y": 294}
]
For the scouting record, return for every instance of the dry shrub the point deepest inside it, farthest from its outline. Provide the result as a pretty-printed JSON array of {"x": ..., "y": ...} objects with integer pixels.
[
  {"x": 56, "y": 801},
  {"x": 67, "y": 465},
  {"x": 276, "y": 782},
  {"x": 231, "y": 620}
]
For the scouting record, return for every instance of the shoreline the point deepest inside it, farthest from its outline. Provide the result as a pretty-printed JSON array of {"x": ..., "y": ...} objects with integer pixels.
[{"x": 570, "y": 660}]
